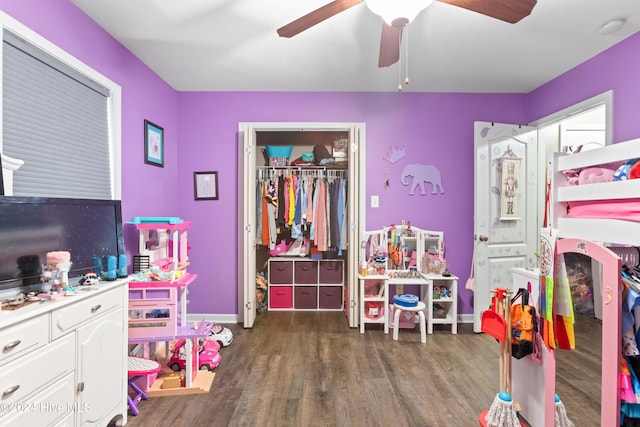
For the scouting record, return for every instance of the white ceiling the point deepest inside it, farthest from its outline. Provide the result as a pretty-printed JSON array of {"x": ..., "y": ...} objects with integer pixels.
[{"x": 232, "y": 45}]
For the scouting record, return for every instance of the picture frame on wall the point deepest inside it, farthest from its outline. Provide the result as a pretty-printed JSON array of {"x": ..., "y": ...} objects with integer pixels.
[
  {"x": 205, "y": 185},
  {"x": 153, "y": 144}
]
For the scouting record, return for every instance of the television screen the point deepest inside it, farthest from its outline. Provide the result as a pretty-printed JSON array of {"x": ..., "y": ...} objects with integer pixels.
[{"x": 32, "y": 226}]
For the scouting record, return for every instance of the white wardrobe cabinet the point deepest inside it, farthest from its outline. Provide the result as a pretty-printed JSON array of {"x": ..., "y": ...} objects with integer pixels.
[{"x": 64, "y": 361}]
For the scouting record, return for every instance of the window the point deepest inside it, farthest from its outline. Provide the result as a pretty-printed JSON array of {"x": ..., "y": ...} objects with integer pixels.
[{"x": 59, "y": 117}]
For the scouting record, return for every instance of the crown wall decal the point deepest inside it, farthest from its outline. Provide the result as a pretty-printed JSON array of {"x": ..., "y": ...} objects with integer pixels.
[{"x": 396, "y": 153}]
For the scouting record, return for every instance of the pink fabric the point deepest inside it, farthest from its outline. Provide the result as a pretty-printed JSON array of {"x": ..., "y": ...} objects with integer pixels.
[
  {"x": 309, "y": 207},
  {"x": 321, "y": 215},
  {"x": 625, "y": 209}
]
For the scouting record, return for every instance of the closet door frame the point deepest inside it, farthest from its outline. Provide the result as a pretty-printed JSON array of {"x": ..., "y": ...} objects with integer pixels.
[{"x": 247, "y": 144}]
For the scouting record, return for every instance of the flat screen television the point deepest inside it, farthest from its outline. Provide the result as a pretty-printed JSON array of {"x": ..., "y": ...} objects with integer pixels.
[{"x": 32, "y": 226}]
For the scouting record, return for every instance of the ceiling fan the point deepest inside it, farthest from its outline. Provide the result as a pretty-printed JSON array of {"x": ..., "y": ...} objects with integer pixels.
[{"x": 403, "y": 12}]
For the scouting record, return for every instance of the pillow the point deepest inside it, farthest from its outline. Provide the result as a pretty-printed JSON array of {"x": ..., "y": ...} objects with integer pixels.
[
  {"x": 595, "y": 174},
  {"x": 622, "y": 172}
]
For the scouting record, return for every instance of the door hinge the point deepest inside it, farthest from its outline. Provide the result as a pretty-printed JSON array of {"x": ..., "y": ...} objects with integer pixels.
[
  {"x": 353, "y": 303},
  {"x": 248, "y": 305},
  {"x": 247, "y": 227}
]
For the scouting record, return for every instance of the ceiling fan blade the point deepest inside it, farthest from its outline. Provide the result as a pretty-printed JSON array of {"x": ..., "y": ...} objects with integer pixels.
[
  {"x": 510, "y": 11},
  {"x": 315, "y": 17},
  {"x": 390, "y": 45}
]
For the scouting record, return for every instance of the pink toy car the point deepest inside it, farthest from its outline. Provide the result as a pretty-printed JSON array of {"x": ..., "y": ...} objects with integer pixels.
[{"x": 208, "y": 356}]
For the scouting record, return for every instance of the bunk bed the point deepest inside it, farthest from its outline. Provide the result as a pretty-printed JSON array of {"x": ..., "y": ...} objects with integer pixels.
[{"x": 592, "y": 219}]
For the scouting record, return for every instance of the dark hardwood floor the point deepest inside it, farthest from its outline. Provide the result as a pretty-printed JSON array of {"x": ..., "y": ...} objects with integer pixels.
[{"x": 311, "y": 369}]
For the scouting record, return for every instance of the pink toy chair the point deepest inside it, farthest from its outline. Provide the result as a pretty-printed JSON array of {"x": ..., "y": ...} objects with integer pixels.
[{"x": 139, "y": 367}]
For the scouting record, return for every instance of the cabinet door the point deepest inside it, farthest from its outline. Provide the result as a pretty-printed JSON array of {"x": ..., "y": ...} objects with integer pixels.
[{"x": 101, "y": 368}]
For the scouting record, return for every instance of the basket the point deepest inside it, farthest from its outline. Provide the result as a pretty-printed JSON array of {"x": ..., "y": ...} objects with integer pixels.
[
  {"x": 279, "y": 151},
  {"x": 278, "y": 161}
]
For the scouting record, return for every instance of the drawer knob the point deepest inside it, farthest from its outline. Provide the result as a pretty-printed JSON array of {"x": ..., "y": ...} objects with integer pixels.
[
  {"x": 8, "y": 392},
  {"x": 12, "y": 345},
  {"x": 96, "y": 308}
]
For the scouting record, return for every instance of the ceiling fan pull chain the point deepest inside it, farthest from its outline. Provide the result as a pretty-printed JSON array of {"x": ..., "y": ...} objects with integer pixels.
[
  {"x": 399, "y": 65},
  {"x": 406, "y": 62}
]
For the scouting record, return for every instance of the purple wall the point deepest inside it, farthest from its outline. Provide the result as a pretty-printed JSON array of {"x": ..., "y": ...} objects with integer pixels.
[
  {"x": 615, "y": 69},
  {"x": 437, "y": 129},
  {"x": 146, "y": 189}
]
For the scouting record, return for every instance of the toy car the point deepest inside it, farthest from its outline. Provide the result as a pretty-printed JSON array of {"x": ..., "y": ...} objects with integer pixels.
[
  {"x": 90, "y": 279},
  {"x": 208, "y": 356},
  {"x": 223, "y": 336}
]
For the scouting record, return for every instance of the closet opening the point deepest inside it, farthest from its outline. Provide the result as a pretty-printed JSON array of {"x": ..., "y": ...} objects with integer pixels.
[
  {"x": 301, "y": 218},
  {"x": 301, "y": 235}
]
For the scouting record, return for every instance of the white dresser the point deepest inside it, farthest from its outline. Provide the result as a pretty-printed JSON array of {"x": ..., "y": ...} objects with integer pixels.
[{"x": 63, "y": 362}]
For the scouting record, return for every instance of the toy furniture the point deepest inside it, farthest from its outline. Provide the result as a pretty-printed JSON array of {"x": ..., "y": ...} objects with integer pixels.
[
  {"x": 70, "y": 353},
  {"x": 412, "y": 267},
  {"x": 419, "y": 309},
  {"x": 599, "y": 212},
  {"x": 158, "y": 305},
  {"x": 138, "y": 367}
]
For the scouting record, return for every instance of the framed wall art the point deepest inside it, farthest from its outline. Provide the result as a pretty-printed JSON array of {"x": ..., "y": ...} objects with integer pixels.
[
  {"x": 205, "y": 185},
  {"x": 153, "y": 144}
]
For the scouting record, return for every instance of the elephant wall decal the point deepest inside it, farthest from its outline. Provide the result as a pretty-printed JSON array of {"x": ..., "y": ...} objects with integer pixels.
[{"x": 421, "y": 174}]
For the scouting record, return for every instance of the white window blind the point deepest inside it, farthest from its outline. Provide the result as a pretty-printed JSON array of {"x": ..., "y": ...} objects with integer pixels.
[{"x": 56, "y": 120}]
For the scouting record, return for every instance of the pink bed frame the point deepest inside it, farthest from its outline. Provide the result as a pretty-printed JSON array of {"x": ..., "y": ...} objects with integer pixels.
[{"x": 611, "y": 340}]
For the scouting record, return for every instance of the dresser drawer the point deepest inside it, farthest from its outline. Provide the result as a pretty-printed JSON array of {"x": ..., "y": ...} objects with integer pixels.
[
  {"x": 331, "y": 272},
  {"x": 281, "y": 272},
  {"x": 70, "y": 317},
  {"x": 38, "y": 369},
  {"x": 24, "y": 337},
  {"x": 280, "y": 297},
  {"x": 306, "y": 272},
  {"x": 305, "y": 298},
  {"x": 330, "y": 297},
  {"x": 50, "y": 405}
]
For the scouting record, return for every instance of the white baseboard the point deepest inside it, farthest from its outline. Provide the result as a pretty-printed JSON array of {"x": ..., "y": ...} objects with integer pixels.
[
  {"x": 217, "y": 318},
  {"x": 234, "y": 318}
]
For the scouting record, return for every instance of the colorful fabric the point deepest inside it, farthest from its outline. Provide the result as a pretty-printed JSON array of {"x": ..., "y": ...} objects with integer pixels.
[
  {"x": 556, "y": 306},
  {"x": 563, "y": 308}
]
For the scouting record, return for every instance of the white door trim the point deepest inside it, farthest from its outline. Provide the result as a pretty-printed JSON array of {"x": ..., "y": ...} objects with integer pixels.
[{"x": 247, "y": 270}]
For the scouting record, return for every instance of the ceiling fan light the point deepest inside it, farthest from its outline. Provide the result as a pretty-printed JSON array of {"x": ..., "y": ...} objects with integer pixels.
[{"x": 391, "y": 10}]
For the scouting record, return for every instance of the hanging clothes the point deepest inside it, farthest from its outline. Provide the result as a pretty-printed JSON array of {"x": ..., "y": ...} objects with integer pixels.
[{"x": 295, "y": 204}]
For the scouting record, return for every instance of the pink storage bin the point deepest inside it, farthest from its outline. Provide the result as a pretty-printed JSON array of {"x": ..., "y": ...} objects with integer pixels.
[
  {"x": 407, "y": 318},
  {"x": 280, "y": 297}
]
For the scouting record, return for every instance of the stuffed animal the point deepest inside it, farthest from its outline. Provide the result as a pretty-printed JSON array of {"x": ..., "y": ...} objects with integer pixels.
[
  {"x": 592, "y": 175},
  {"x": 261, "y": 293}
]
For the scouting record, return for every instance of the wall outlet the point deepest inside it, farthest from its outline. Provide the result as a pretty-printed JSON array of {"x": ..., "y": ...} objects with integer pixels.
[{"x": 375, "y": 201}]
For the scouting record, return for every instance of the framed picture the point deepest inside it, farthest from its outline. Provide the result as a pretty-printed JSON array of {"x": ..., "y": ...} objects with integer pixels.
[
  {"x": 340, "y": 147},
  {"x": 511, "y": 189},
  {"x": 205, "y": 185},
  {"x": 153, "y": 144}
]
